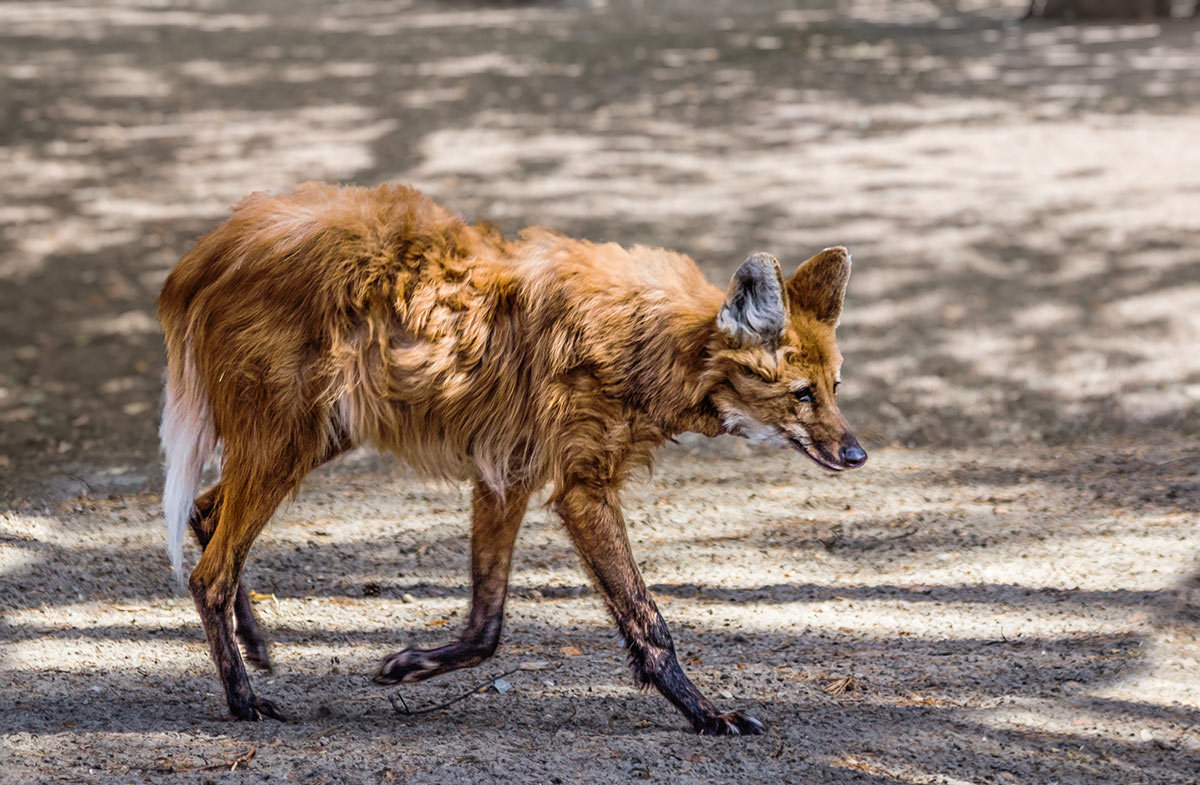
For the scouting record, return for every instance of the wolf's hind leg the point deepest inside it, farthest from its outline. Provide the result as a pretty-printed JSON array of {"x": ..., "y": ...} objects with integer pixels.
[
  {"x": 260, "y": 468},
  {"x": 246, "y": 626},
  {"x": 494, "y": 525}
]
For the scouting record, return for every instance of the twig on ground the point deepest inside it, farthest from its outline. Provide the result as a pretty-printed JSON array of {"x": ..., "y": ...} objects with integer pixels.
[
  {"x": 90, "y": 490},
  {"x": 230, "y": 764},
  {"x": 400, "y": 706},
  {"x": 904, "y": 534},
  {"x": 842, "y": 686}
]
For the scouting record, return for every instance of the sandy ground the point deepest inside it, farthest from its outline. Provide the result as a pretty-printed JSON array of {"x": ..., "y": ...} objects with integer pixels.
[
  {"x": 944, "y": 617},
  {"x": 1009, "y": 592}
]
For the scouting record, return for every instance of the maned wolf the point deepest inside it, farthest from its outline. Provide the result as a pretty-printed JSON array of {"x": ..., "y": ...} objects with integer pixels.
[{"x": 311, "y": 323}]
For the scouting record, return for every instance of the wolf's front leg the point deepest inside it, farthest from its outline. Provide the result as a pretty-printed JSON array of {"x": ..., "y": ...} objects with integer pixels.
[
  {"x": 494, "y": 526},
  {"x": 594, "y": 520}
]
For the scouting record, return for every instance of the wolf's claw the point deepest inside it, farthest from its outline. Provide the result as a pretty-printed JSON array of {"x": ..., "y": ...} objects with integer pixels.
[
  {"x": 405, "y": 667},
  {"x": 258, "y": 709},
  {"x": 731, "y": 723}
]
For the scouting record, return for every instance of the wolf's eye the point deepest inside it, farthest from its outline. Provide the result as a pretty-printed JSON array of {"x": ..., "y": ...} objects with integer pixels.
[
  {"x": 804, "y": 395},
  {"x": 836, "y": 385}
]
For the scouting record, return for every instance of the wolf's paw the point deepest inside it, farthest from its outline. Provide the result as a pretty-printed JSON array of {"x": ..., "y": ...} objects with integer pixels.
[
  {"x": 731, "y": 723},
  {"x": 406, "y": 667},
  {"x": 257, "y": 709}
]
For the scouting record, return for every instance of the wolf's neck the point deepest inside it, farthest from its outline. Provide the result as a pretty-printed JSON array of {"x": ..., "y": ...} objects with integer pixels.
[{"x": 666, "y": 371}]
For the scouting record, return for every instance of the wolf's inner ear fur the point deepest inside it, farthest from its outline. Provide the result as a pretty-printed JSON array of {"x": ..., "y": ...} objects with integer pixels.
[
  {"x": 819, "y": 284},
  {"x": 755, "y": 309}
]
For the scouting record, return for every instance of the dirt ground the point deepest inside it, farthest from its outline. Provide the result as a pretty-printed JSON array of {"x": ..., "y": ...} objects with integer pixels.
[{"x": 1008, "y": 592}]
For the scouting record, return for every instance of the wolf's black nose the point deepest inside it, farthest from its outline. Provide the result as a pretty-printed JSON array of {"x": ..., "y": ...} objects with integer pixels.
[{"x": 853, "y": 456}]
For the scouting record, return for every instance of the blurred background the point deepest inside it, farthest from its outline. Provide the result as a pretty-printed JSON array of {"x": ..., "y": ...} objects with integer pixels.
[
  {"x": 1022, "y": 199},
  {"x": 1007, "y": 593}
]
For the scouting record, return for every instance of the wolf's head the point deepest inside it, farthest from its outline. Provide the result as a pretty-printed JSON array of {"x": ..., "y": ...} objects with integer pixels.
[{"x": 777, "y": 366}]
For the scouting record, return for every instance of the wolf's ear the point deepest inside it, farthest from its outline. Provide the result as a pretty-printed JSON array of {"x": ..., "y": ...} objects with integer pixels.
[
  {"x": 819, "y": 285},
  {"x": 755, "y": 309}
]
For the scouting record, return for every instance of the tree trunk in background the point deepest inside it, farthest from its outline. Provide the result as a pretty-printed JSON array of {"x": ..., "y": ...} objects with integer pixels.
[{"x": 1100, "y": 9}]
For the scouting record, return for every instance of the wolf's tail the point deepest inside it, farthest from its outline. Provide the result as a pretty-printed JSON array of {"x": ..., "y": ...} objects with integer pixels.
[{"x": 188, "y": 441}]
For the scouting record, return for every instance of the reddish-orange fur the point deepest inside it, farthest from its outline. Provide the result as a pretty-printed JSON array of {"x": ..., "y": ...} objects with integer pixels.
[{"x": 331, "y": 317}]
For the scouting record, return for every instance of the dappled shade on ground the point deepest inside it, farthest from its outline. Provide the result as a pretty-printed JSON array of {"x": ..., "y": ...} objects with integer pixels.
[
  {"x": 1016, "y": 599},
  {"x": 944, "y": 614}
]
